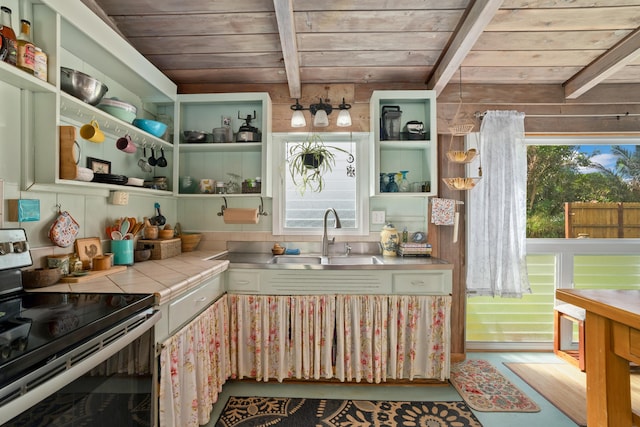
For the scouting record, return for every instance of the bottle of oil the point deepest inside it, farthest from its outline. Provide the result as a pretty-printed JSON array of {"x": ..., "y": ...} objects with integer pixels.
[
  {"x": 10, "y": 36},
  {"x": 26, "y": 50}
]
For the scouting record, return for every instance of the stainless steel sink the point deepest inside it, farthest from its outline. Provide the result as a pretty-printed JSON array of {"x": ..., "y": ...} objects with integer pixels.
[
  {"x": 295, "y": 259},
  {"x": 331, "y": 260},
  {"x": 354, "y": 260}
]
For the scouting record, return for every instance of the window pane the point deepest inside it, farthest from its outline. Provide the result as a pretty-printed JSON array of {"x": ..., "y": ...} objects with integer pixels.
[
  {"x": 583, "y": 191},
  {"x": 306, "y": 211}
]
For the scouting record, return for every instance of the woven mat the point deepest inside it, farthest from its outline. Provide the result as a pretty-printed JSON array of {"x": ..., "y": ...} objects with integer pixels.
[
  {"x": 297, "y": 412},
  {"x": 485, "y": 389}
]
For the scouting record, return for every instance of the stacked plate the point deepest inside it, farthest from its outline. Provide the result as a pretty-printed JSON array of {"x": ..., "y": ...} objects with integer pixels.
[
  {"x": 108, "y": 178},
  {"x": 120, "y": 109}
]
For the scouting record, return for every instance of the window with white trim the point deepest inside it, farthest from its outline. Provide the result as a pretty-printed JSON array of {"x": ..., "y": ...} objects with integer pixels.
[{"x": 344, "y": 188}]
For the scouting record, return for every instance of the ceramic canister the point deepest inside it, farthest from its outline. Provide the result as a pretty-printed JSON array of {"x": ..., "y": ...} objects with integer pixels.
[
  {"x": 122, "y": 252},
  {"x": 59, "y": 261},
  {"x": 389, "y": 240}
]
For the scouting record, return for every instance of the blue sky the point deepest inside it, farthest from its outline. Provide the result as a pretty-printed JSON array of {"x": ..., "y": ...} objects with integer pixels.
[{"x": 605, "y": 158}]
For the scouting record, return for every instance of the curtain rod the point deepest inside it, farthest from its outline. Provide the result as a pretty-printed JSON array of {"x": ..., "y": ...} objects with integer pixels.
[{"x": 479, "y": 115}]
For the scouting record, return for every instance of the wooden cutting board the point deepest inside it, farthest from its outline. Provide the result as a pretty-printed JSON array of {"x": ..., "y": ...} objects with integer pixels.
[
  {"x": 93, "y": 274},
  {"x": 68, "y": 166}
]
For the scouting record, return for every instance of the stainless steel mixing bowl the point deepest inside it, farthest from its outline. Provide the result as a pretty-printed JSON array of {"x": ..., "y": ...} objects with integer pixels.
[{"x": 82, "y": 86}]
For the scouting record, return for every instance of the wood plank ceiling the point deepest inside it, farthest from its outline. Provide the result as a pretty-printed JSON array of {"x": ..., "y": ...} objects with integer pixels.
[{"x": 574, "y": 43}]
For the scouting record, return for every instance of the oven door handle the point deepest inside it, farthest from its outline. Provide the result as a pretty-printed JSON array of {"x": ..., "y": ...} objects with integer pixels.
[{"x": 70, "y": 369}]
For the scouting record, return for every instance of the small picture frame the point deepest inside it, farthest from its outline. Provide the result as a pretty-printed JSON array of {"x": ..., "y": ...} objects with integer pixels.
[
  {"x": 98, "y": 165},
  {"x": 226, "y": 121},
  {"x": 87, "y": 249}
]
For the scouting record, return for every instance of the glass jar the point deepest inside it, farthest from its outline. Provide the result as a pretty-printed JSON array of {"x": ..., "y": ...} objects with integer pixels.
[
  {"x": 6, "y": 30},
  {"x": 220, "y": 188},
  {"x": 26, "y": 51}
]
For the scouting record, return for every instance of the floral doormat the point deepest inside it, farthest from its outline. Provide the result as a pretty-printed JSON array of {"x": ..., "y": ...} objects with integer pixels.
[
  {"x": 297, "y": 412},
  {"x": 485, "y": 389}
]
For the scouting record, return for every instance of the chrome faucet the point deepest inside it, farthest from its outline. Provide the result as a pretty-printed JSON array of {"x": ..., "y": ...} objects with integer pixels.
[{"x": 325, "y": 238}]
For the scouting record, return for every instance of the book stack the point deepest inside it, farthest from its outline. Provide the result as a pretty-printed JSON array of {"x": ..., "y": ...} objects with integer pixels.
[{"x": 416, "y": 249}]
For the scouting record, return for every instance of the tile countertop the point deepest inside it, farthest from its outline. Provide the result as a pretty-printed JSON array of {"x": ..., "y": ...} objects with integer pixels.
[{"x": 166, "y": 278}]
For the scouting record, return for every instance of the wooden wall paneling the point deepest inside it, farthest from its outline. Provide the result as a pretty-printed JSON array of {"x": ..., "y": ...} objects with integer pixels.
[
  {"x": 166, "y": 25},
  {"x": 128, "y": 7},
  {"x": 415, "y": 21},
  {"x": 450, "y": 251}
]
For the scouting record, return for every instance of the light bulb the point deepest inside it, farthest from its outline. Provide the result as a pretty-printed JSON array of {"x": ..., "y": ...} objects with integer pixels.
[
  {"x": 344, "y": 118},
  {"x": 321, "y": 120},
  {"x": 298, "y": 120}
]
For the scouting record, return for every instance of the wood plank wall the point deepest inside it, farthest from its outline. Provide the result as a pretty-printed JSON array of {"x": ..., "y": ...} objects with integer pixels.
[
  {"x": 616, "y": 99},
  {"x": 530, "y": 99}
]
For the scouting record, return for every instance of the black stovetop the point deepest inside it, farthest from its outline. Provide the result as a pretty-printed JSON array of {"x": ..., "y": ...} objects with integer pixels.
[{"x": 38, "y": 327}]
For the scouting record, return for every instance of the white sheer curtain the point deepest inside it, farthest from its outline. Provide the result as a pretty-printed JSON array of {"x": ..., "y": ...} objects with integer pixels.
[
  {"x": 194, "y": 364},
  {"x": 368, "y": 338},
  {"x": 497, "y": 210}
]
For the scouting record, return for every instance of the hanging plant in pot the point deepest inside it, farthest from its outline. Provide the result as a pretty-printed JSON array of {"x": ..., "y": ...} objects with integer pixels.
[{"x": 309, "y": 161}]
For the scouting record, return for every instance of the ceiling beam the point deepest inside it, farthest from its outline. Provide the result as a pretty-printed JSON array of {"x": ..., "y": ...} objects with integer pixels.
[
  {"x": 609, "y": 63},
  {"x": 284, "y": 16},
  {"x": 479, "y": 16}
]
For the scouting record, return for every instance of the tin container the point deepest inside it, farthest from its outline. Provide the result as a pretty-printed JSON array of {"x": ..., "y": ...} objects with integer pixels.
[{"x": 59, "y": 261}]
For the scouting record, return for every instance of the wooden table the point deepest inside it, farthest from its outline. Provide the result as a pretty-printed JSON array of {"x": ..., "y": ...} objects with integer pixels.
[{"x": 612, "y": 340}]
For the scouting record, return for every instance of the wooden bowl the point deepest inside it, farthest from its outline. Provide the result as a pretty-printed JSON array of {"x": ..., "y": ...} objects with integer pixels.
[
  {"x": 190, "y": 241},
  {"x": 278, "y": 251},
  {"x": 150, "y": 232},
  {"x": 41, "y": 277},
  {"x": 166, "y": 234}
]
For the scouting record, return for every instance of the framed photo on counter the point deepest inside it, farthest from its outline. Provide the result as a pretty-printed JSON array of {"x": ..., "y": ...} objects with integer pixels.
[{"x": 98, "y": 165}]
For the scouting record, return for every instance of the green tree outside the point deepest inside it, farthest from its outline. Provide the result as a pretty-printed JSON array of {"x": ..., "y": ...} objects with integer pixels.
[{"x": 556, "y": 175}]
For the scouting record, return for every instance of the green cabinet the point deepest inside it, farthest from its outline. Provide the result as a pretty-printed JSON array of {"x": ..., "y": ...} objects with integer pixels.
[
  {"x": 404, "y": 138},
  {"x": 247, "y": 160}
]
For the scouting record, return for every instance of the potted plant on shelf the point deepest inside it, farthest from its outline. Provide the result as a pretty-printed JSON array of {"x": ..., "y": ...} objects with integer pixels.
[{"x": 309, "y": 161}]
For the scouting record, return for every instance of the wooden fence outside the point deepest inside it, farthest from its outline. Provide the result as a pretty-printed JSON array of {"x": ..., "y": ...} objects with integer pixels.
[{"x": 602, "y": 220}]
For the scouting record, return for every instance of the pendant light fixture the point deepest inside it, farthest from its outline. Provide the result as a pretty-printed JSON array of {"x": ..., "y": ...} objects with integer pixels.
[{"x": 320, "y": 113}]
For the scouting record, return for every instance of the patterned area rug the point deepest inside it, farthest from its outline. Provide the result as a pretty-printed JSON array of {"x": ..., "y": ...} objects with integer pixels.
[
  {"x": 485, "y": 389},
  {"x": 297, "y": 412}
]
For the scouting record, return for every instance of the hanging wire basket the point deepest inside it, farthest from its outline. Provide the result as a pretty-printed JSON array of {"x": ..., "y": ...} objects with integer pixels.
[
  {"x": 457, "y": 126},
  {"x": 461, "y": 183},
  {"x": 461, "y": 129},
  {"x": 459, "y": 156}
]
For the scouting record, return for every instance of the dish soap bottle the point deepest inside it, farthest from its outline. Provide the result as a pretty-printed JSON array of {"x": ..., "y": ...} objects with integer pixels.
[{"x": 389, "y": 240}]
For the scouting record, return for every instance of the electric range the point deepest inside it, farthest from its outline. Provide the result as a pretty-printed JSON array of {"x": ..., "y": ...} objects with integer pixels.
[{"x": 49, "y": 339}]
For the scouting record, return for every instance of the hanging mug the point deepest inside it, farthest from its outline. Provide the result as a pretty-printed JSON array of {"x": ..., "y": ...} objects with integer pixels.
[
  {"x": 126, "y": 144},
  {"x": 91, "y": 132}
]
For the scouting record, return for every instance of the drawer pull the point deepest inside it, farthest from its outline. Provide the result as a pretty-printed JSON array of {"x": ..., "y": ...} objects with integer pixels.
[
  {"x": 417, "y": 282},
  {"x": 201, "y": 299},
  {"x": 242, "y": 282}
]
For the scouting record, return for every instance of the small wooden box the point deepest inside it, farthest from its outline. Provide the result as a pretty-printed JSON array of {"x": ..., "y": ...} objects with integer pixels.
[{"x": 161, "y": 248}]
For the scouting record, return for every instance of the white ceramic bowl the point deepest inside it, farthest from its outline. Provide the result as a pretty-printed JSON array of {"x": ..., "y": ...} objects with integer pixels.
[{"x": 136, "y": 182}]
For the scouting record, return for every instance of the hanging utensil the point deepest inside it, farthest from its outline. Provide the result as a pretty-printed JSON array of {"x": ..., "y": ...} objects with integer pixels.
[
  {"x": 159, "y": 219},
  {"x": 152, "y": 159},
  {"x": 142, "y": 163},
  {"x": 162, "y": 160}
]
